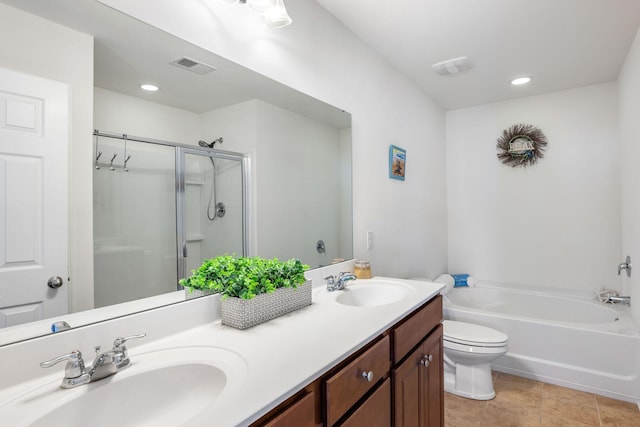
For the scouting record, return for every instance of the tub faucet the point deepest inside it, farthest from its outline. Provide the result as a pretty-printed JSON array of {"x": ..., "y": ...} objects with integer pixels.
[
  {"x": 614, "y": 299},
  {"x": 339, "y": 283},
  {"x": 104, "y": 365}
]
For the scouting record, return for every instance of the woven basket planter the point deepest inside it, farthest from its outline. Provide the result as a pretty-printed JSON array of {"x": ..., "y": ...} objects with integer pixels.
[{"x": 242, "y": 313}]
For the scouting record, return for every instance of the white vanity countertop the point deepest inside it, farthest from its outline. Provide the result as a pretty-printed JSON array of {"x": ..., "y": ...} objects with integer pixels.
[
  {"x": 285, "y": 354},
  {"x": 281, "y": 356}
]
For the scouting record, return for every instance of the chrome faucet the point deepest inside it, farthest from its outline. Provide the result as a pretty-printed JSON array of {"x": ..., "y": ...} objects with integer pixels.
[
  {"x": 104, "y": 365},
  {"x": 339, "y": 283},
  {"x": 614, "y": 299}
]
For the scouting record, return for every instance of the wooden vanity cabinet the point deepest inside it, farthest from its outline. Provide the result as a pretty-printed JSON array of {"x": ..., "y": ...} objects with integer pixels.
[
  {"x": 397, "y": 379},
  {"x": 418, "y": 379}
]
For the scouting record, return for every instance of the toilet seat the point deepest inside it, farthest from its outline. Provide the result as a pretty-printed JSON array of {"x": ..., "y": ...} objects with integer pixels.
[{"x": 469, "y": 335}]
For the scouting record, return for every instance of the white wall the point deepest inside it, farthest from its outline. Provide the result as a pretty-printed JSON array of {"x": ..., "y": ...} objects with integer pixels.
[
  {"x": 118, "y": 113},
  {"x": 629, "y": 111},
  {"x": 298, "y": 186},
  {"x": 556, "y": 223},
  {"x": 319, "y": 56},
  {"x": 42, "y": 48}
]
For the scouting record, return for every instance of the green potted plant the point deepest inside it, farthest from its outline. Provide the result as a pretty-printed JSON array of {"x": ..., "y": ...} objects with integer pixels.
[{"x": 253, "y": 289}]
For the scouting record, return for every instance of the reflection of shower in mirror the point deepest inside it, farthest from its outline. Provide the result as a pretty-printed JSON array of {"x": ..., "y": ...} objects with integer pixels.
[{"x": 219, "y": 208}]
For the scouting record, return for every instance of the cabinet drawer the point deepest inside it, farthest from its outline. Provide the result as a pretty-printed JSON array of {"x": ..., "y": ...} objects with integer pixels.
[
  {"x": 347, "y": 386},
  {"x": 375, "y": 411},
  {"x": 300, "y": 414},
  {"x": 416, "y": 327}
]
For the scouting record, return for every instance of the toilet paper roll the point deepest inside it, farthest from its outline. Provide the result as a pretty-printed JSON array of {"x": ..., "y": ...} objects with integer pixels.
[{"x": 447, "y": 280}]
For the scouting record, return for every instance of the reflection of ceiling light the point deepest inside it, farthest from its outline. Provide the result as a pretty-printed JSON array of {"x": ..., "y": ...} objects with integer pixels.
[
  {"x": 520, "y": 81},
  {"x": 274, "y": 12},
  {"x": 149, "y": 88},
  {"x": 260, "y": 6},
  {"x": 277, "y": 16}
]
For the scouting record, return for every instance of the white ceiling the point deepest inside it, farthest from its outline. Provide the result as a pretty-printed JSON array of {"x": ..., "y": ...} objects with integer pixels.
[
  {"x": 128, "y": 52},
  {"x": 562, "y": 44}
]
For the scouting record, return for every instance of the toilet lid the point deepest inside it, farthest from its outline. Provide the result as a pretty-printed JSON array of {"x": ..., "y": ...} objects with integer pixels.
[{"x": 470, "y": 334}]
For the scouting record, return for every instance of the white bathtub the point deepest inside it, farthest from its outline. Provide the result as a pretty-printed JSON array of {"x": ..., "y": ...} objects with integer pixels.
[{"x": 556, "y": 336}]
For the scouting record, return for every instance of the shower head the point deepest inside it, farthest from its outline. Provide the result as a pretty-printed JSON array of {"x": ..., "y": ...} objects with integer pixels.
[{"x": 210, "y": 145}]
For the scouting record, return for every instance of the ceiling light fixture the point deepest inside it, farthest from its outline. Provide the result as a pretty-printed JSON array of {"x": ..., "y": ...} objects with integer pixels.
[
  {"x": 149, "y": 87},
  {"x": 520, "y": 81},
  {"x": 274, "y": 13}
]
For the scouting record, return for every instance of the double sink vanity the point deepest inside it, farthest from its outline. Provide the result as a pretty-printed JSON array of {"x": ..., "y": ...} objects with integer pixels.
[{"x": 370, "y": 354}]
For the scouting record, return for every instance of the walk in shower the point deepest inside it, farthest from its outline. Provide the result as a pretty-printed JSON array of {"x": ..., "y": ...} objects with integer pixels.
[{"x": 160, "y": 208}]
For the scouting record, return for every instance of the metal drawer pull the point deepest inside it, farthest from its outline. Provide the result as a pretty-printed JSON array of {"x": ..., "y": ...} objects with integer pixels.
[
  {"x": 426, "y": 360},
  {"x": 367, "y": 375}
]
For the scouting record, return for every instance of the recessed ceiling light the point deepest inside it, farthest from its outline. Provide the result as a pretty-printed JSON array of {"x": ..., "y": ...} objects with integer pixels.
[
  {"x": 520, "y": 81},
  {"x": 149, "y": 88}
]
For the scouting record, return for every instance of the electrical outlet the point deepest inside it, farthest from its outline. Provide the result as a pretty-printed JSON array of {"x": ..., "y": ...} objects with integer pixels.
[{"x": 369, "y": 240}]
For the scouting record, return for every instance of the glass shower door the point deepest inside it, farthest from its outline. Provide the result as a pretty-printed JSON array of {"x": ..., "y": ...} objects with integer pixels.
[
  {"x": 214, "y": 193},
  {"x": 134, "y": 220}
]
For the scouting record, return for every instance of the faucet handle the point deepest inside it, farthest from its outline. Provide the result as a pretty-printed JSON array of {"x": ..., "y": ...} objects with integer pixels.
[
  {"x": 120, "y": 356},
  {"x": 118, "y": 343},
  {"x": 74, "y": 372},
  {"x": 74, "y": 358}
]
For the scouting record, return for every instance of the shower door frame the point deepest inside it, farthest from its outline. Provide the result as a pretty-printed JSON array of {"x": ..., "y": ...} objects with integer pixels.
[
  {"x": 181, "y": 206},
  {"x": 181, "y": 222}
]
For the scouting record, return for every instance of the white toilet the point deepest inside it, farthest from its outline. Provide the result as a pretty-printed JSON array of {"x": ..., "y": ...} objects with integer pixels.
[{"x": 468, "y": 352}]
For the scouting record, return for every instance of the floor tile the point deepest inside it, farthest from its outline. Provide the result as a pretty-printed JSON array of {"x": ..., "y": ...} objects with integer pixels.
[
  {"x": 521, "y": 402},
  {"x": 618, "y": 413},
  {"x": 495, "y": 416},
  {"x": 576, "y": 411},
  {"x": 547, "y": 420},
  {"x": 516, "y": 393}
]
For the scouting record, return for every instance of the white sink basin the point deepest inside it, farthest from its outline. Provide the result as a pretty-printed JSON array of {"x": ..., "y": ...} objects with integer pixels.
[
  {"x": 369, "y": 293},
  {"x": 165, "y": 387}
]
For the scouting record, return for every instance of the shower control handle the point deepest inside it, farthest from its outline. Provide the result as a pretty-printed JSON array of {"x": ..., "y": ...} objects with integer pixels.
[{"x": 626, "y": 265}]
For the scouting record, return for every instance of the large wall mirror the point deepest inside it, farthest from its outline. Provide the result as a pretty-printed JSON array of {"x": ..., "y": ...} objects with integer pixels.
[{"x": 298, "y": 150}]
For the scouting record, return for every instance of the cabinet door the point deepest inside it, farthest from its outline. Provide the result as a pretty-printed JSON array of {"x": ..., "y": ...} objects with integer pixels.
[
  {"x": 407, "y": 380},
  {"x": 418, "y": 385},
  {"x": 432, "y": 394},
  {"x": 375, "y": 411}
]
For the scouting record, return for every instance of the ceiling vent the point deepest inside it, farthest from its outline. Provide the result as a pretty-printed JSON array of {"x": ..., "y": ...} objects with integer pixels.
[
  {"x": 452, "y": 66},
  {"x": 192, "y": 65}
]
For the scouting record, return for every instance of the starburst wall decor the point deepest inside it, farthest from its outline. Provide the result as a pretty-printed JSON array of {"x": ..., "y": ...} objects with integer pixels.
[{"x": 521, "y": 145}]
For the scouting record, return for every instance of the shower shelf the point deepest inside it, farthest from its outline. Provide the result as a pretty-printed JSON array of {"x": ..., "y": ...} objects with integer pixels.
[{"x": 195, "y": 237}]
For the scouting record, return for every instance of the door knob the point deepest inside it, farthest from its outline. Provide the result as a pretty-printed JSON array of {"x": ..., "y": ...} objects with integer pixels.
[{"x": 55, "y": 282}]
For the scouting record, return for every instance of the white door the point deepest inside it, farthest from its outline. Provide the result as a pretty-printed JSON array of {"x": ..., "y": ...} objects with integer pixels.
[{"x": 34, "y": 138}]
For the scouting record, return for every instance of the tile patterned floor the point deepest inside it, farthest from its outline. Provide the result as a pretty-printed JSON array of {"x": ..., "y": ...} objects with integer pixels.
[{"x": 521, "y": 402}]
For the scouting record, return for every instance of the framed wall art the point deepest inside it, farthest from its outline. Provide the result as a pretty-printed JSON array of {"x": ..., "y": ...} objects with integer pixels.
[{"x": 397, "y": 162}]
